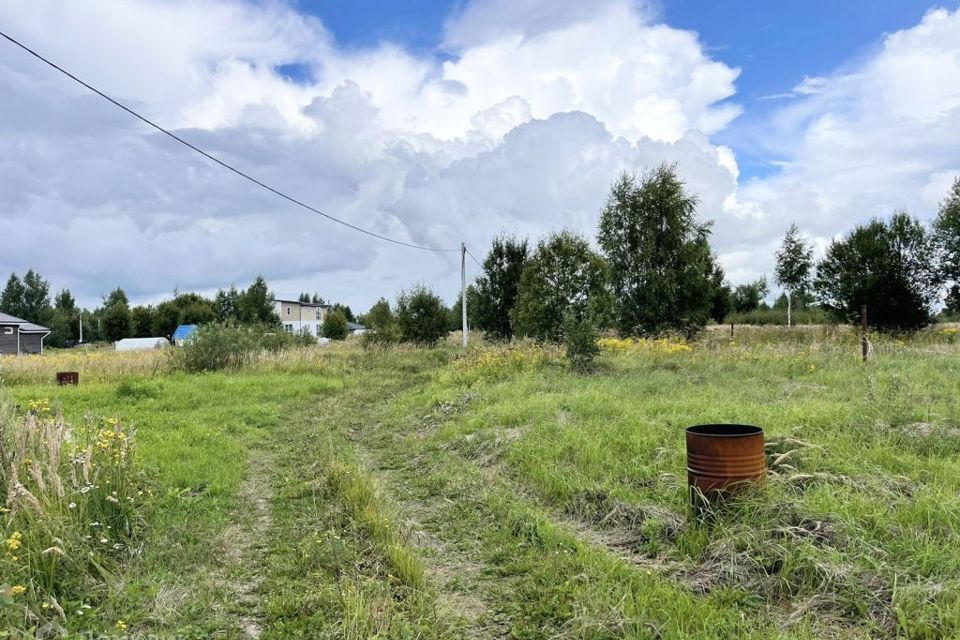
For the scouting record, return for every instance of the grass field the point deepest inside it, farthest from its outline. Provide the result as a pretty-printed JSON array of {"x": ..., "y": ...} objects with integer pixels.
[{"x": 342, "y": 493}]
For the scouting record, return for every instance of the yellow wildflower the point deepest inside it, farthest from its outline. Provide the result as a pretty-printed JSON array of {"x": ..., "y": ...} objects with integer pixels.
[
  {"x": 121, "y": 625},
  {"x": 17, "y": 589},
  {"x": 14, "y": 542}
]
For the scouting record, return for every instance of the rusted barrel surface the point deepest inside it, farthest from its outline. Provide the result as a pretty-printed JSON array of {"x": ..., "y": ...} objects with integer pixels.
[
  {"x": 68, "y": 377},
  {"x": 722, "y": 458}
]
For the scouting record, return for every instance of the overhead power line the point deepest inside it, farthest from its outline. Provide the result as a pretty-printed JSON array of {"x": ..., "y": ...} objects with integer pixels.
[
  {"x": 213, "y": 158},
  {"x": 473, "y": 258}
]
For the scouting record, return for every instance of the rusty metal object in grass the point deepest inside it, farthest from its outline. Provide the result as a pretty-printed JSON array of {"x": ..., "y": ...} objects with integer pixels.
[
  {"x": 723, "y": 459},
  {"x": 68, "y": 377}
]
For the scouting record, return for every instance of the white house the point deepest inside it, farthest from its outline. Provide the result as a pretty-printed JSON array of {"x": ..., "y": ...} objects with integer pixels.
[{"x": 299, "y": 316}]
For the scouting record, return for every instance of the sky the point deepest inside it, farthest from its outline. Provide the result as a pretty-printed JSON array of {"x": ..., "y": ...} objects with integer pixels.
[{"x": 436, "y": 122}]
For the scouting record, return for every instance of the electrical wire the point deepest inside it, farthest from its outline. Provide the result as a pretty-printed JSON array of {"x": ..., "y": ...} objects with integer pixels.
[
  {"x": 474, "y": 258},
  {"x": 218, "y": 160}
]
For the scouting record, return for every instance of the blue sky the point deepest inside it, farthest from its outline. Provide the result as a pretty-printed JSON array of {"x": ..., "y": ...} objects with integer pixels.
[{"x": 775, "y": 43}]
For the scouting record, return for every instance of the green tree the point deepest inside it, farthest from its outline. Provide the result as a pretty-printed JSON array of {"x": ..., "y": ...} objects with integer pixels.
[
  {"x": 345, "y": 310},
  {"x": 92, "y": 325},
  {"x": 115, "y": 319},
  {"x": 141, "y": 322},
  {"x": 304, "y": 297},
  {"x": 165, "y": 319},
  {"x": 455, "y": 312},
  {"x": 12, "y": 299},
  {"x": 226, "y": 303},
  {"x": 498, "y": 286},
  {"x": 421, "y": 316},
  {"x": 720, "y": 295},
  {"x": 116, "y": 296},
  {"x": 563, "y": 276},
  {"x": 749, "y": 297},
  {"x": 184, "y": 308},
  {"x": 794, "y": 266},
  {"x": 255, "y": 305},
  {"x": 658, "y": 253},
  {"x": 889, "y": 266},
  {"x": 946, "y": 229},
  {"x": 36, "y": 298},
  {"x": 335, "y": 326},
  {"x": 381, "y": 324},
  {"x": 64, "y": 320}
]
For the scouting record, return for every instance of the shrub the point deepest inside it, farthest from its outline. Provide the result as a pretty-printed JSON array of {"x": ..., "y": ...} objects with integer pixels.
[
  {"x": 335, "y": 326},
  {"x": 421, "y": 316},
  {"x": 72, "y": 512},
  {"x": 580, "y": 337},
  {"x": 221, "y": 346},
  {"x": 381, "y": 324}
]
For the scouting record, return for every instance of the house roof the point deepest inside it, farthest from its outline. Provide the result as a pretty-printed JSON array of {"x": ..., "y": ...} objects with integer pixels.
[
  {"x": 25, "y": 327},
  {"x": 355, "y": 326},
  {"x": 303, "y": 304},
  {"x": 184, "y": 331}
]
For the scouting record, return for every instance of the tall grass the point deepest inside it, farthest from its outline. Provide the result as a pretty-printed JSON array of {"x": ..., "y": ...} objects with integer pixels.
[
  {"x": 94, "y": 365},
  {"x": 71, "y": 514}
]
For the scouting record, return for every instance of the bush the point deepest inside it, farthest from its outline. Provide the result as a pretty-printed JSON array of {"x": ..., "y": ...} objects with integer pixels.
[
  {"x": 381, "y": 326},
  {"x": 421, "y": 316},
  {"x": 221, "y": 346},
  {"x": 335, "y": 326},
  {"x": 580, "y": 337}
]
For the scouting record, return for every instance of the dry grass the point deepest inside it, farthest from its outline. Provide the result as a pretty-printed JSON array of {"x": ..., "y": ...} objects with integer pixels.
[{"x": 94, "y": 365}]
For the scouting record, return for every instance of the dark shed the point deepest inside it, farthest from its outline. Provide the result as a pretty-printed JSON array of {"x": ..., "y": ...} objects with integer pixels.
[{"x": 19, "y": 336}]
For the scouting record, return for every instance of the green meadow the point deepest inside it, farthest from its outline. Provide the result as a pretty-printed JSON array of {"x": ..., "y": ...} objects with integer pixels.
[{"x": 339, "y": 492}]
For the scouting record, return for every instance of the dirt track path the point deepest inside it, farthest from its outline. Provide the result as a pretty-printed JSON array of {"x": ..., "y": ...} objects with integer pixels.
[{"x": 243, "y": 548}]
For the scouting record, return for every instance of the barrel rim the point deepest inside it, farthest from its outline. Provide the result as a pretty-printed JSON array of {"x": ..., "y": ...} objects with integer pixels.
[{"x": 725, "y": 430}]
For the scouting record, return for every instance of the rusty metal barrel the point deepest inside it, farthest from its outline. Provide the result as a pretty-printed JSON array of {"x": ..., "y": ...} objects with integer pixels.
[
  {"x": 723, "y": 458},
  {"x": 68, "y": 377}
]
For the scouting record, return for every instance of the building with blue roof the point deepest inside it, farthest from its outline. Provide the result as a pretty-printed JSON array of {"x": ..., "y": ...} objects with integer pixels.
[{"x": 183, "y": 333}]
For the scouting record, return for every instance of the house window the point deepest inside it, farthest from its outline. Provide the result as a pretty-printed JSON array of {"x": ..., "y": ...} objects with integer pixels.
[
  {"x": 8, "y": 331},
  {"x": 288, "y": 327},
  {"x": 319, "y": 313},
  {"x": 288, "y": 310}
]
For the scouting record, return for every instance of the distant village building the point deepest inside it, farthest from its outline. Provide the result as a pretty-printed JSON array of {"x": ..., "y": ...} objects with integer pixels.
[
  {"x": 19, "y": 336},
  {"x": 297, "y": 317},
  {"x": 183, "y": 333},
  {"x": 356, "y": 328}
]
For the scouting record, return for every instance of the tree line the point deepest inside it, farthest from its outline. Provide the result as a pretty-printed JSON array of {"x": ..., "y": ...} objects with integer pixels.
[
  {"x": 116, "y": 318},
  {"x": 655, "y": 273}
]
